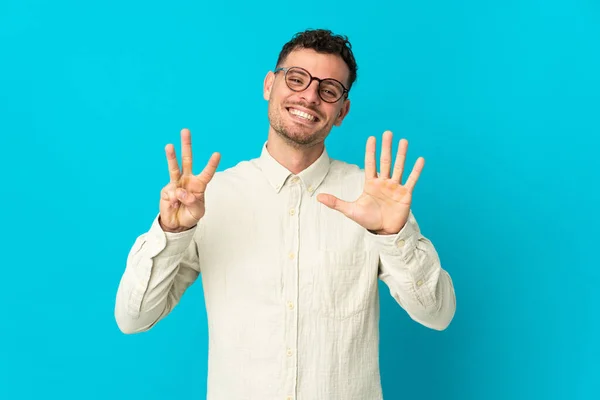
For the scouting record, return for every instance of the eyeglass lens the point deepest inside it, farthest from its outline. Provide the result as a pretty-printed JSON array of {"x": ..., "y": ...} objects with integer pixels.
[{"x": 298, "y": 80}]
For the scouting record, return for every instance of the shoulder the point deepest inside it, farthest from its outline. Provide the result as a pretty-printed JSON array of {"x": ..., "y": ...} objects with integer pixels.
[
  {"x": 231, "y": 188},
  {"x": 241, "y": 172},
  {"x": 341, "y": 170},
  {"x": 344, "y": 180}
]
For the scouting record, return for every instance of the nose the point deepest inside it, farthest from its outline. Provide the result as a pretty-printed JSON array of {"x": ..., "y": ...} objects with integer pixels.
[{"x": 311, "y": 93}]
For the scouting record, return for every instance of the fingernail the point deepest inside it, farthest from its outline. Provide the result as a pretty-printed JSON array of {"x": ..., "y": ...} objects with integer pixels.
[{"x": 183, "y": 194}]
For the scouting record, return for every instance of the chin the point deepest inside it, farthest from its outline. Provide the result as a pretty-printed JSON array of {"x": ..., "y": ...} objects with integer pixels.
[
  {"x": 296, "y": 137},
  {"x": 297, "y": 133},
  {"x": 300, "y": 140},
  {"x": 303, "y": 139}
]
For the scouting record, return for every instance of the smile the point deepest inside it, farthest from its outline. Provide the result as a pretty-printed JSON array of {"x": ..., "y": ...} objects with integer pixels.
[{"x": 303, "y": 115}]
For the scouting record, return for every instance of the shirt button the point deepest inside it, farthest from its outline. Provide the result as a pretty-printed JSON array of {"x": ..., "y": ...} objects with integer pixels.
[
  {"x": 291, "y": 256},
  {"x": 400, "y": 243},
  {"x": 289, "y": 352},
  {"x": 420, "y": 282},
  {"x": 290, "y": 305},
  {"x": 295, "y": 179},
  {"x": 292, "y": 212},
  {"x": 289, "y": 398},
  {"x": 310, "y": 189}
]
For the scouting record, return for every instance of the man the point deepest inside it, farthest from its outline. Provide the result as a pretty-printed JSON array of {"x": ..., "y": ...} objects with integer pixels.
[{"x": 290, "y": 246}]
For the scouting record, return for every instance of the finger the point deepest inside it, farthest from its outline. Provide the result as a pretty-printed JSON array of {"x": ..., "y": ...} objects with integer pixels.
[
  {"x": 414, "y": 175},
  {"x": 336, "y": 204},
  {"x": 211, "y": 167},
  {"x": 174, "y": 172},
  {"x": 385, "y": 161},
  {"x": 186, "y": 151},
  {"x": 400, "y": 160},
  {"x": 185, "y": 197},
  {"x": 169, "y": 195},
  {"x": 370, "y": 162}
]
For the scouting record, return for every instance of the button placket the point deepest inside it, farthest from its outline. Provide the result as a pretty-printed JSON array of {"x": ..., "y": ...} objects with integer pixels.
[{"x": 290, "y": 273}]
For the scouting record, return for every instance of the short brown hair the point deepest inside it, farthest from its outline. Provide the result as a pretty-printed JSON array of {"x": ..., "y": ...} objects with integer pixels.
[{"x": 322, "y": 41}]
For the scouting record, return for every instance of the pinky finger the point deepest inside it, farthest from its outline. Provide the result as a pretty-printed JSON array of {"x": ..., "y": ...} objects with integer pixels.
[
  {"x": 185, "y": 197},
  {"x": 168, "y": 195}
]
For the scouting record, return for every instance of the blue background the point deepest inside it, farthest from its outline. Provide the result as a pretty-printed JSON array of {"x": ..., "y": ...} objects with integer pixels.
[{"x": 501, "y": 98}]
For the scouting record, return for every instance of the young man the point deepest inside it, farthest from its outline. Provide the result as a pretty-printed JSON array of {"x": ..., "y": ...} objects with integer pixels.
[{"x": 290, "y": 246}]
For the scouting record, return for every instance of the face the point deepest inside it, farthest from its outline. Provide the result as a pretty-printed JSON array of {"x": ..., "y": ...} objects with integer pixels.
[{"x": 303, "y": 119}]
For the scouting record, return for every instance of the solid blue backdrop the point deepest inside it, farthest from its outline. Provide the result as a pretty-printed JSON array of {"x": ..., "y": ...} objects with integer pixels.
[{"x": 501, "y": 98}]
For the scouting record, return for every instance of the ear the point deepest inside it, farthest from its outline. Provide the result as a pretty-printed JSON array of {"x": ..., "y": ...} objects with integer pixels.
[
  {"x": 343, "y": 112},
  {"x": 268, "y": 85}
]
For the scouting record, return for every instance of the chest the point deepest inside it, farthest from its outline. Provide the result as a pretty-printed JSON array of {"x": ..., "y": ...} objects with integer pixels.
[{"x": 271, "y": 237}]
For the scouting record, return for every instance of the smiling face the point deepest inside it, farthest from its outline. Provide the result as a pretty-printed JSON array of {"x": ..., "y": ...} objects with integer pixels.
[{"x": 303, "y": 119}]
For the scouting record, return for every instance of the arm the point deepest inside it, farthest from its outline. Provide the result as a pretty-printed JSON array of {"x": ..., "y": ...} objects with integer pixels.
[
  {"x": 408, "y": 262},
  {"x": 410, "y": 267},
  {"x": 160, "y": 267},
  {"x": 163, "y": 262}
]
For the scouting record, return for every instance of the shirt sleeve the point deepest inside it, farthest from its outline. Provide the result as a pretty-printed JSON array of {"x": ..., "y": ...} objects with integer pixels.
[
  {"x": 160, "y": 267},
  {"x": 410, "y": 266}
]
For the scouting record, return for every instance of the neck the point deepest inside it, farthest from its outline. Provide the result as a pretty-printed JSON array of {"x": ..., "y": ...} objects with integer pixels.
[{"x": 295, "y": 158}]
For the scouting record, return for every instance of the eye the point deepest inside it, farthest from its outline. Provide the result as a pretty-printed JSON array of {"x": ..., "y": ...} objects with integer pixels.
[
  {"x": 330, "y": 91},
  {"x": 296, "y": 78}
]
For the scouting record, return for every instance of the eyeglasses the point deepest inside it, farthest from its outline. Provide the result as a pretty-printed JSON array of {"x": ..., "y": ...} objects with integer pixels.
[{"x": 298, "y": 79}]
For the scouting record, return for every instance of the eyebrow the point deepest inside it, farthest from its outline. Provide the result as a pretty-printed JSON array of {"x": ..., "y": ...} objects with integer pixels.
[{"x": 329, "y": 77}]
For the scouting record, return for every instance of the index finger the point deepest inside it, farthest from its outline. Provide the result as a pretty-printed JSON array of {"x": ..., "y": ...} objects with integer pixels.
[
  {"x": 414, "y": 175},
  {"x": 211, "y": 167},
  {"x": 186, "y": 151}
]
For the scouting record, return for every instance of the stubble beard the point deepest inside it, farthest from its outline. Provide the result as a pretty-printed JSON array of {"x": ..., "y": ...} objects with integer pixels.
[{"x": 294, "y": 135}]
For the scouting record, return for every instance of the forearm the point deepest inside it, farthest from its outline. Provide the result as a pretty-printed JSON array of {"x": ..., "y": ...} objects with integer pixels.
[
  {"x": 411, "y": 268},
  {"x": 160, "y": 267}
]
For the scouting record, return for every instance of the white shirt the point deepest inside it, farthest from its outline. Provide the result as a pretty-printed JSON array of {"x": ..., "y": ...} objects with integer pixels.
[{"x": 290, "y": 286}]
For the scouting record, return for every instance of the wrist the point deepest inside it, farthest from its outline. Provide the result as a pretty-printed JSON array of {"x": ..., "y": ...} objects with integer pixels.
[{"x": 173, "y": 230}]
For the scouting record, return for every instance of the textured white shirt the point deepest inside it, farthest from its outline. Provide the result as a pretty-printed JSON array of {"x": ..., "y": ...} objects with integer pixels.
[{"x": 290, "y": 286}]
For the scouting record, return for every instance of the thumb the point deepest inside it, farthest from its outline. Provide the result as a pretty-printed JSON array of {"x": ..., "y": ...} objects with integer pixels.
[
  {"x": 334, "y": 203},
  {"x": 185, "y": 197}
]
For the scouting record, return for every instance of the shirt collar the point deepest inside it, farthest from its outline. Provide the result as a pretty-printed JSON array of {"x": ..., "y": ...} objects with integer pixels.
[{"x": 277, "y": 174}]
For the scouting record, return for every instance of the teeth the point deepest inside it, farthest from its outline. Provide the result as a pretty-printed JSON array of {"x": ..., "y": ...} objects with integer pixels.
[{"x": 302, "y": 114}]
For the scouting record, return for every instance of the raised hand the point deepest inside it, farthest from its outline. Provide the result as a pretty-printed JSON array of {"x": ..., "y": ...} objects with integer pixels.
[
  {"x": 384, "y": 205},
  {"x": 182, "y": 199}
]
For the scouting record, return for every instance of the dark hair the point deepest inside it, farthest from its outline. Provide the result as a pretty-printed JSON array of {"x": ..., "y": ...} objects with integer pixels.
[{"x": 322, "y": 41}]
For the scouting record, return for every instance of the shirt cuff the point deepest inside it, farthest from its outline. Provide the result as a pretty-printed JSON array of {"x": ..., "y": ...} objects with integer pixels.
[
  {"x": 402, "y": 244},
  {"x": 168, "y": 243}
]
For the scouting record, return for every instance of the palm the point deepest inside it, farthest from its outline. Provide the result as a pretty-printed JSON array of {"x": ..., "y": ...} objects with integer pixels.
[
  {"x": 185, "y": 214},
  {"x": 382, "y": 197},
  {"x": 384, "y": 205}
]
